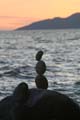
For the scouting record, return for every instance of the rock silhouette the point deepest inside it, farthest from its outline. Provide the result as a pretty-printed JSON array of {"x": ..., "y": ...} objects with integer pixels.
[{"x": 21, "y": 93}]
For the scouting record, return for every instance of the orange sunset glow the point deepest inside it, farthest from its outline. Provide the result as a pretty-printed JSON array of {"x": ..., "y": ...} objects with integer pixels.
[{"x": 17, "y": 13}]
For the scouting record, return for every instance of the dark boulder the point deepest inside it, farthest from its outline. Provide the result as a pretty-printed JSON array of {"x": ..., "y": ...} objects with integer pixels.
[
  {"x": 40, "y": 104},
  {"x": 48, "y": 105}
]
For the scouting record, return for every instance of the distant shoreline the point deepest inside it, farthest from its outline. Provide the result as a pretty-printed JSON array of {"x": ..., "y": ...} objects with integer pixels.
[{"x": 71, "y": 22}]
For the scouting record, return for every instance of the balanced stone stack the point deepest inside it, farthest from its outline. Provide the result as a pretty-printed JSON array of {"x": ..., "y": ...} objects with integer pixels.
[{"x": 40, "y": 80}]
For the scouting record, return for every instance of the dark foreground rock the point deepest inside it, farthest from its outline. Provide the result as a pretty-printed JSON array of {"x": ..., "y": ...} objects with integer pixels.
[{"x": 39, "y": 105}]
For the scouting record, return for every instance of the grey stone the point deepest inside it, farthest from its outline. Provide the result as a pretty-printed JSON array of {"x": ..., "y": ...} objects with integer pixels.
[
  {"x": 41, "y": 82},
  {"x": 41, "y": 67},
  {"x": 39, "y": 55}
]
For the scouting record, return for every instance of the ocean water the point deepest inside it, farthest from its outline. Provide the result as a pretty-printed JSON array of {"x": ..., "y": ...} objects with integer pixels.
[{"x": 61, "y": 54}]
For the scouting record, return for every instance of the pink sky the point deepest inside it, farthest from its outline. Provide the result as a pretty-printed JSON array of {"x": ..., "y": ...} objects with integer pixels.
[{"x": 16, "y": 13}]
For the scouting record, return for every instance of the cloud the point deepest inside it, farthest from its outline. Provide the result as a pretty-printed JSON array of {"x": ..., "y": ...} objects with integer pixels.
[
  {"x": 12, "y": 22},
  {"x": 15, "y": 17}
]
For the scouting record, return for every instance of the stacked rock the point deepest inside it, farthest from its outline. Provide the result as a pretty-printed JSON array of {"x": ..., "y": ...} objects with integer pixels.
[{"x": 40, "y": 80}]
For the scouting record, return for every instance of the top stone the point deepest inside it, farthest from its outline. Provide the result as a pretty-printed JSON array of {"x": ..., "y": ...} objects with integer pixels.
[{"x": 39, "y": 55}]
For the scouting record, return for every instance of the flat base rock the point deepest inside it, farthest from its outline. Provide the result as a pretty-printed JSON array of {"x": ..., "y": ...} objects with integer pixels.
[{"x": 40, "y": 105}]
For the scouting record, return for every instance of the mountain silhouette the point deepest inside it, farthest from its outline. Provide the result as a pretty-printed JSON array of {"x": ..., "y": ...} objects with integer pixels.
[{"x": 71, "y": 22}]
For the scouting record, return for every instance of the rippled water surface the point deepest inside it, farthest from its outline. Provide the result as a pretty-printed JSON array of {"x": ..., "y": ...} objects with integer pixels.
[{"x": 61, "y": 55}]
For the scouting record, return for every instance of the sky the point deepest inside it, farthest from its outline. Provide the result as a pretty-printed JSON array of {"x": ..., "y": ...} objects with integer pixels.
[{"x": 17, "y": 13}]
